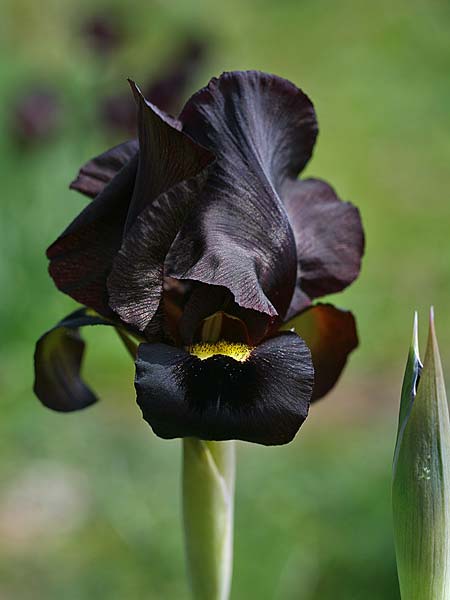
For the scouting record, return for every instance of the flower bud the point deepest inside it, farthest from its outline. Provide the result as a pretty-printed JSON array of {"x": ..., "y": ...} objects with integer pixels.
[{"x": 421, "y": 478}]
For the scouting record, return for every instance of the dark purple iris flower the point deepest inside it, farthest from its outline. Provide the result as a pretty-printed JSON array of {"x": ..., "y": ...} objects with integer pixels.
[
  {"x": 37, "y": 115},
  {"x": 102, "y": 33},
  {"x": 201, "y": 243}
]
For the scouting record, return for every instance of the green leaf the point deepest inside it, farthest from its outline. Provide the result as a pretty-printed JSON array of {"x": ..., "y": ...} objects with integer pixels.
[{"x": 421, "y": 482}]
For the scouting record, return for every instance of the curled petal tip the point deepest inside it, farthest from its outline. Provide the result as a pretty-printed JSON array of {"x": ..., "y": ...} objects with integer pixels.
[{"x": 135, "y": 89}]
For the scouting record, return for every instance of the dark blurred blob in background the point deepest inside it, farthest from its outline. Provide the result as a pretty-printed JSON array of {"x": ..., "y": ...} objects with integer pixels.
[
  {"x": 36, "y": 115},
  {"x": 103, "y": 33},
  {"x": 90, "y": 504},
  {"x": 167, "y": 89}
]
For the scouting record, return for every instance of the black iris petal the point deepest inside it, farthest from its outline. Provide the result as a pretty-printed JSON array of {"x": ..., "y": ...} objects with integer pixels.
[
  {"x": 217, "y": 382},
  {"x": 58, "y": 360},
  {"x": 263, "y": 399}
]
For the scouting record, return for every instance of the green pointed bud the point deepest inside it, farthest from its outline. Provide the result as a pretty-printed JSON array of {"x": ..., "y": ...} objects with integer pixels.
[
  {"x": 208, "y": 501},
  {"x": 421, "y": 478}
]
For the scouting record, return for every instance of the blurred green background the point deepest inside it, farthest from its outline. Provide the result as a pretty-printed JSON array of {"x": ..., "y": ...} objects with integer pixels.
[{"x": 89, "y": 502}]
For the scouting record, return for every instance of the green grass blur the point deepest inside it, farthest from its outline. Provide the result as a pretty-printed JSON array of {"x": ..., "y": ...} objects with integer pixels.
[{"x": 89, "y": 503}]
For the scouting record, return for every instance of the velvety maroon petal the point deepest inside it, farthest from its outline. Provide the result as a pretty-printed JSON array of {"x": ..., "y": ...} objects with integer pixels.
[
  {"x": 136, "y": 281},
  {"x": 171, "y": 172},
  {"x": 263, "y": 399},
  {"x": 97, "y": 172},
  {"x": 262, "y": 130},
  {"x": 331, "y": 335},
  {"x": 82, "y": 257},
  {"x": 166, "y": 156},
  {"x": 57, "y": 363},
  {"x": 263, "y": 116},
  {"x": 329, "y": 238}
]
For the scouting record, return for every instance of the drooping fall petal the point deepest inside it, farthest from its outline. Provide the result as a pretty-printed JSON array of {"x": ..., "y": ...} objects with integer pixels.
[
  {"x": 57, "y": 363},
  {"x": 330, "y": 333},
  {"x": 260, "y": 396}
]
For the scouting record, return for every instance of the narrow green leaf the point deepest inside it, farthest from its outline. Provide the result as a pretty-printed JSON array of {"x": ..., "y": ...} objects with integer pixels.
[
  {"x": 128, "y": 342},
  {"x": 421, "y": 485}
]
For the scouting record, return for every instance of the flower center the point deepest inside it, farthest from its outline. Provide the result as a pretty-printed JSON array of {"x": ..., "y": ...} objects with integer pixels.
[{"x": 235, "y": 350}]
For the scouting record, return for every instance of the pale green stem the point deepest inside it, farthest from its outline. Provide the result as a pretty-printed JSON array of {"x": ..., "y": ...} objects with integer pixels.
[{"x": 208, "y": 503}]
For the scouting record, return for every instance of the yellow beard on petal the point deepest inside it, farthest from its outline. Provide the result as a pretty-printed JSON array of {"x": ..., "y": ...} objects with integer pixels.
[{"x": 205, "y": 350}]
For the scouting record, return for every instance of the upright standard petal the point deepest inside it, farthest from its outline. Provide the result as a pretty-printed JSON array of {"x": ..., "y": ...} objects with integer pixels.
[
  {"x": 172, "y": 170},
  {"x": 57, "y": 364},
  {"x": 329, "y": 239},
  {"x": 82, "y": 257},
  {"x": 136, "y": 281},
  {"x": 98, "y": 172},
  {"x": 166, "y": 156},
  {"x": 262, "y": 130},
  {"x": 261, "y": 395},
  {"x": 331, "y": 335}
]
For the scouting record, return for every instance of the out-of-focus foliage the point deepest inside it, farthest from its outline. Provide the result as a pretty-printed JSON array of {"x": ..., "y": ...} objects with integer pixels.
[{"x": 89, "y": 503}]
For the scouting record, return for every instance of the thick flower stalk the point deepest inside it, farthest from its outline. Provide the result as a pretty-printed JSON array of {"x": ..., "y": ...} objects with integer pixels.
[
  {"x": 208, "y": 506},
  {"x": 421, "y": 484},
  {"x": 202, "y": 246}
]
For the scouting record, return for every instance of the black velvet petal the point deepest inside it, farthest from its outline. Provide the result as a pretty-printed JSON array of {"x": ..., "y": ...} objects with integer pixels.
[
  {"x": 329, "y": 238},
  {"x": 135, "y": 284},
  {"x": 81, "y": 258},
  {"x": 172, "y": 169},
  {"x": 98, "y": 172},
  {"x": 166, "y": 156},
  {"x": 57, "y": 363},
  {"x": 262, "y": 130},
  {"x": 331, "y": 335},
  {"x": 264, "y": 399}
]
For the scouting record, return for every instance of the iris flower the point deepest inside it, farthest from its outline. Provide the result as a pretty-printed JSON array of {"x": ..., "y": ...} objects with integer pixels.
[
  {"x": 201, "y": 244},
  {"x": 36, "y": 115},
  {"x": 102, "y": 33}
]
